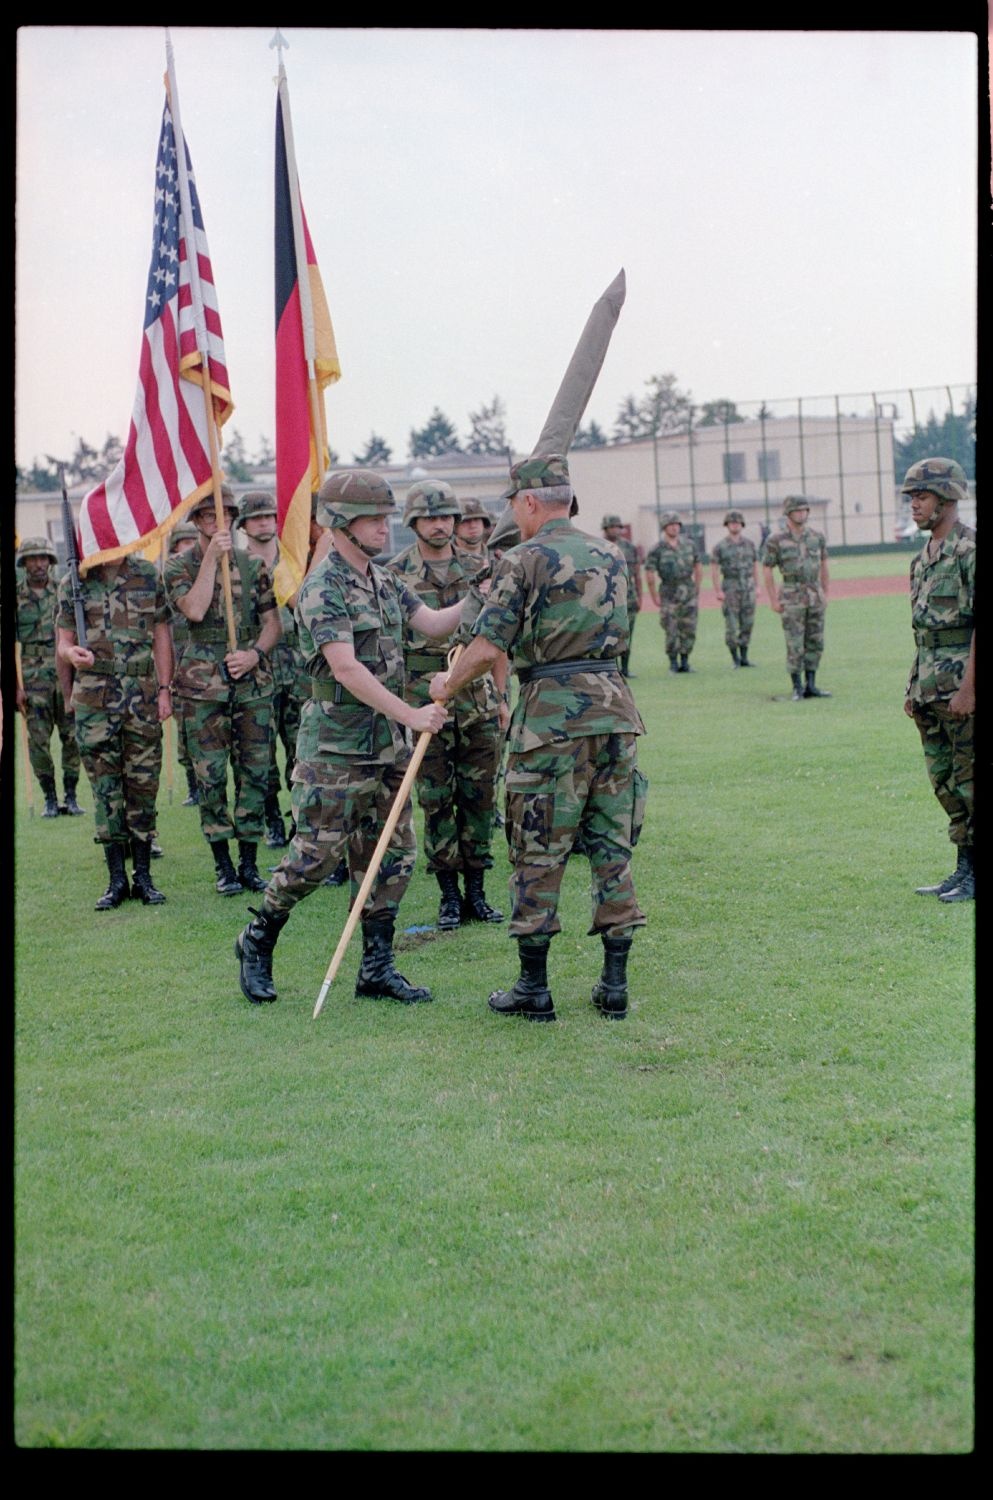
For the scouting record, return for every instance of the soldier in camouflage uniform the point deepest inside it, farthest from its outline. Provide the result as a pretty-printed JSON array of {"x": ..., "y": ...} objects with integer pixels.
[
  {"x": 181, "y": 539},
  {"x": 558, "y": 605},
  {"x": 613, "y": 529},
  {"x": 800, "y": 553},
  {"x": 224, "y": 697},
  {"x": 456, "y": 785},
  {"x": 120, "y": 697},
  {"x": 674, "y": 572},
  {"x": 257, "y": 518},
  {"x": 941, "y": 692},
  {"x": 734, "y": 572},
  {"x": 352, "y": 750},
  {"x": 39, "y": 696},
  {"x": 473, "y": 527}
]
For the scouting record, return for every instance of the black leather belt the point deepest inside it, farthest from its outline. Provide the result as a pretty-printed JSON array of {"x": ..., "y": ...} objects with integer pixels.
[{"x": 566, "y": 668}]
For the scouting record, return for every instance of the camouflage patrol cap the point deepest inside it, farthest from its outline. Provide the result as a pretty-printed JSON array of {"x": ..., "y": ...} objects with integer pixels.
[
  {"x": 346, "y": 495},
  {"x": 429, "y": 497},
  {"x": 35, "y": 546},
  {"x": 610, "y": 521},
  {"x": 207, "y": 503},
  {"x": 540, "y": 472},
  {"x": 475, "y": 510},
  {"x": 734, "y": 515},
  {"x": 256, "y": 503},
  {"x": 942, "y": 477},
  {"x": 795, "y": 502},
  {"x": 670, "y": 518}
]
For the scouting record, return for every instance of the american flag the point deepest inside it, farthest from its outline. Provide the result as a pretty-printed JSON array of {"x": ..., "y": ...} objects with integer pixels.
[{"x": 166, "y": 461}]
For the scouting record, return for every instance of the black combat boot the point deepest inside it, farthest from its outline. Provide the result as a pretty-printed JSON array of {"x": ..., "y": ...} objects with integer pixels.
[
  {"x": 339, "y": 874},
  {"x": 450, "y": 906},
  {"x": 610, "y": 993},
  {"x": 118, "y": 890},
  {"x": 275, "y": 832},
  {"x": 378, "y": 978},
  {"x": 141, "y": 881},
  {"x": 962, "y": 866},
  {"x": 684, "y": 662},
  {"x": 965, "y": 889},
  {"x": 253, "y": 949},
  {"x": 51, "y": 809},
  {"x": 734, "y": 655},
  {"x": 798, "y": 693},
  {"x": 69, "y": 803},
  {"x": 743, "y": 655},
  {"x": 228, "y": 883},
  {"x": 475, "y": 907},
  {"x": 812, "y": 690},
  {"x": 673, "y": 664},
  {"x": 248, "y": 870},
  {"x": 530, "y": 996},
  {"x": 192, "y": 797}
]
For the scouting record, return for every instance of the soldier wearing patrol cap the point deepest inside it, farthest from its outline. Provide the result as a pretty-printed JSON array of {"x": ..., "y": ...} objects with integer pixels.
[
  {"x": 352, "y": 750},
  {"x": 613, "y": 529},
  {"x": 456, "y": 785},
  {"x": 941, "y": 692},
  {"x": 734, "y": 573},
  {"x": 224, "y": 696},
  {"x": 558, "y": 605},
  {"x": 800, "y": 553},
  {"x": 181, "y": 539},
  {"x": 674, "y": 572},
  {"x": 39, "y": 696}
]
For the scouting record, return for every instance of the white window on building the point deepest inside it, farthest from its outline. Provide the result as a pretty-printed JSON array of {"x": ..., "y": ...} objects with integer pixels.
[
  {"x": 769, "y": 463},
  {"x": 734, "y": 467}
]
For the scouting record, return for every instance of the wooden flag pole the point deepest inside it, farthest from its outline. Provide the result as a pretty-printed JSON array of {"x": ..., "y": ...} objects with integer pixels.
[
  {"x": 215, "y": 465},
  {"x": 379, "y": 854}
]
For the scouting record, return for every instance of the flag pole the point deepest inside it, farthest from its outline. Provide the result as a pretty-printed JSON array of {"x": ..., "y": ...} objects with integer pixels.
[{"x": 200, "y": 327}]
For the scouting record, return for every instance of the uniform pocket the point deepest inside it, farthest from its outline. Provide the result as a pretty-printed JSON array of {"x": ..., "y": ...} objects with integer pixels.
[{"x": 530, "y": 812}]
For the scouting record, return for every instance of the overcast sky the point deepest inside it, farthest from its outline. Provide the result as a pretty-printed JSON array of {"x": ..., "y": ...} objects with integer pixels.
[{"x": 795, "y": 212}]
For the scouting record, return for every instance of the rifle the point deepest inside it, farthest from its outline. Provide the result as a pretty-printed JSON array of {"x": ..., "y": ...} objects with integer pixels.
[{"x": 72, "y": 564}]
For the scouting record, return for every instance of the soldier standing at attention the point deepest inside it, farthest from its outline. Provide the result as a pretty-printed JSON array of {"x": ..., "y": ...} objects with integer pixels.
[
  {"x": 352, "y": 751},
  {"x": 558, "y": 605},
  {"x": 456, "y": 785},
  {"x": 39, "y": 696},
  {"x": 120, "y": 697},
  {"x": 800, "y": 553},
  {"x": 674, "y": 572},
  {"x": 224, "y": 697},
  {"x": 941, "y": 693},
  {"x": 473, "y": 527},
  {"x": 181, "y": 539},
  {"x": 736, "y": 585},
  {"x": 613, "y": 529}
]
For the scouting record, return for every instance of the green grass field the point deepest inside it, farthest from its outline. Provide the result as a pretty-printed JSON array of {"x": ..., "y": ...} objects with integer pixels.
[{"x": 739, "y": 1221}]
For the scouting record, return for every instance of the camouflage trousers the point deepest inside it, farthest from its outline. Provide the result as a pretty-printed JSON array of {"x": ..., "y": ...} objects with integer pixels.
[
  {"x": 678, "y": 617},
  {"x": 343, "y": 806},
  {"x": 182, "y": 749},
  {"x": 285, "y": 723},
  {"x": 456, "y": 790},
  {"x": 949, "y": 755},
  {"x": 739, "y": 615},
  {"x": 47, "y": 713},
  {"x": 219, "y": 733},
  {"x": 121, "y": 749},
  {"x": 803, "y": 626},
  {"x": 589, "y": 786}
]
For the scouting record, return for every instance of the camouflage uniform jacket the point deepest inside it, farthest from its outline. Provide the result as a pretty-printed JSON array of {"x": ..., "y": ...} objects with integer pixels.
[
  {"x": 942, "y": 603},
  {"x": 673, "y": 567},
  {"x": 36, "y": 630},
  {"x": 630, "y": 554},
  {"x": 736, "y": 561},
  {"x": 799, "y": 559},
  {"x": 198, "y": 673},
  {"x": 122, "y": 604},
  {"x": 562, "y": 596},
  {"x": 368, "y": 611},
  {"x": 438, "y": 585}
]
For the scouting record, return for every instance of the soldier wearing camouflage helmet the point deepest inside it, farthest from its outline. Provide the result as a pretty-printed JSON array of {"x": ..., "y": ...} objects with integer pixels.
[
  {"x": 734, "y": 573},
  {"x": 352, "y": 749},
  {"x": 558, "y": 605},
  {"x": 613, "y": 529},
  {"x": 456, "y": 785},
  {"x": 224, "y": 696},
  {"x": 941, "y": 692},
  {"x": 674, "y": 572},
  {"x": 472, "y": 526},
  {"x": 39, "y": 696},
  {"x": 800, "y": 553}
]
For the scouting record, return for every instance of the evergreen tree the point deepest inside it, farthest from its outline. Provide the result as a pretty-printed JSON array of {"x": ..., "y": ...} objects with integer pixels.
[
  {"x": 377, "y": 451},
  {"x": 488, "y": 432},
  {"x": 436, "y": 438}
]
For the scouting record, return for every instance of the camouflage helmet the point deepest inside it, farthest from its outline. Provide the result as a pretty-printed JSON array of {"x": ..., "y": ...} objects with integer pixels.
[
  {"x": 256, "y": 503},
  {"x": 941, "y": 477},
  {"x": 795, "y": 502},
  {"x": 541, "y": 471},
  {"x": 184, "y": 532},
  {"x": 475, "y": 510},
  {"x": 610, "y": 521},
  {"x": 35, "y": 546},
  {"x": 670, "y": 518},
  {"x": 734, "y": 515},
  {"x": 428, "y": 498},
  {"x": 207, "y": 502},
  {"x": 347, "y": 494},
  {"x": 506, "y": 533}
]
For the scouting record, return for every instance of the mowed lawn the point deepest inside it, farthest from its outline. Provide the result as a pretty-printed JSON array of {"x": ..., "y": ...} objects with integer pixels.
[{"x": 739, "y": 1221}]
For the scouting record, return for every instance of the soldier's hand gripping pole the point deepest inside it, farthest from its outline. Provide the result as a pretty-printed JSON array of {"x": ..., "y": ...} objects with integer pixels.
[{"x": 378, "y": 855}]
